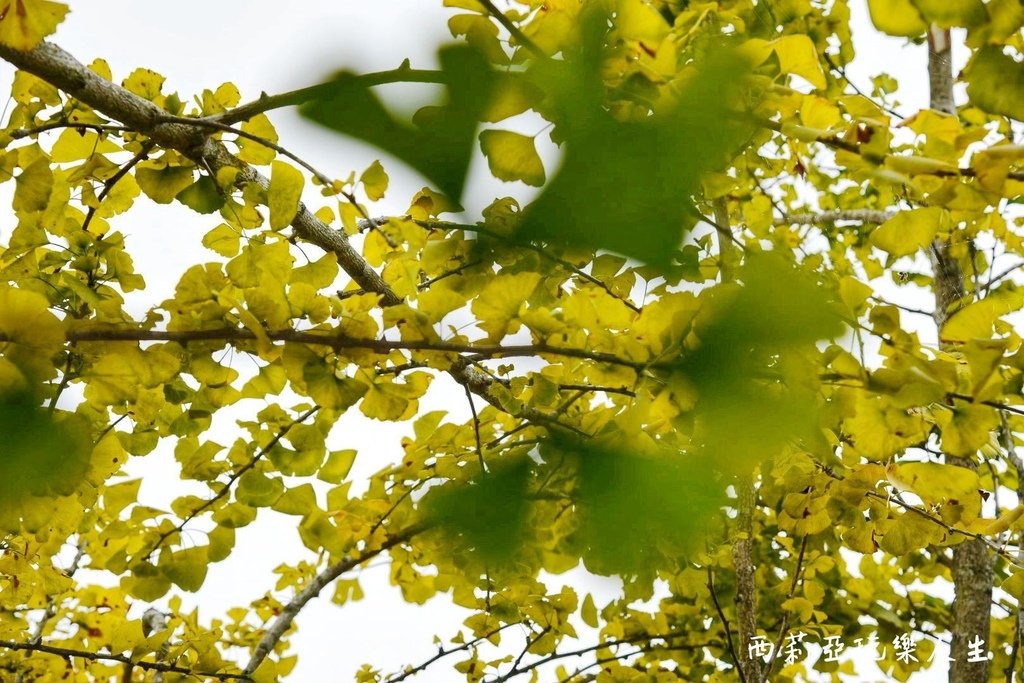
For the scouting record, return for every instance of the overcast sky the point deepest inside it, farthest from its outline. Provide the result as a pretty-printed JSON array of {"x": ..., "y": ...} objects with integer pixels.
[{"x": 273, "y": 46}]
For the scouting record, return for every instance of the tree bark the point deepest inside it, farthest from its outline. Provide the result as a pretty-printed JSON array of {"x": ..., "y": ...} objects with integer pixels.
[{"x": 972, "y": 566}]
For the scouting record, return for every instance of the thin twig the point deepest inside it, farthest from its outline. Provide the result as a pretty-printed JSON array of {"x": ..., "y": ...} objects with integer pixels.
[
  {"x": 265, "y": 103},
  {"x": 124, "y": 659},
  {"x": 476, "y": 429},
  {"x": 235, "y": 476},
  {"x": 108, "y": 186},
  {"x": 441, "y": 653},
  {"x": 63, "y": 123},
  {"x": 514, "y": 30},
  {"x": 784, "y": 627},
  {"x": 223, "y": 127},
  {"x": 725, "y": 624}
]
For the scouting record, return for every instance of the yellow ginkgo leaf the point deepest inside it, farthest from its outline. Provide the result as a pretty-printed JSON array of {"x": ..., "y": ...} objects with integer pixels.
[
  {"x": 897, "y": 17},
  {"x": 512, "y": 156},
  {"x": 24, "y": 23},
  {"x": 283, "y": 194},
  {"x": 909, "y": 231},
  {"x": 375, "y": 181},
  {"x": 797, "y": 55}
]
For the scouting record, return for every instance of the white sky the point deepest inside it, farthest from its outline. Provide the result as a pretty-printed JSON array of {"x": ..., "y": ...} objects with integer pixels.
[{"x": 267, "y": 45}]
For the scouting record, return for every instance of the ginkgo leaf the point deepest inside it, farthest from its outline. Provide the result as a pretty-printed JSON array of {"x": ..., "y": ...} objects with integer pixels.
[
  {"x": 203, "y": 196},
  {"x": 337, "y": 466},
  {"x": 185, "y": 568},
  {"x": 625, "y": 186},
  {"x": 797, "y": 55},
  {"x": 965, "y": 428},
  {"x": 947, "y": 13},
  {"x": 909, "y": 532},
  {"x": 74, "y": 145},
  {"x": 638, "y": 20},
  {"x": 995, "y": 82},
  {"x": 224, "y": 239},
  {"x": 284, "y": 194},
  {"x": 897, "y": 17},
  {"x": 24, "y": 23},
  {"x": 258, "y": 490},
  {"x": 33, "y": 186},
  {"x": 31, "y": 333},
  {"x": 441, "y": 144},
  {"x": 934, "y": 482},
  {"x": 512, "y": 156},
  {"x": 252, "y": 151},
  {"x": 375, "y": 181},
  {"x": 975, "y": 320},
  {"x": 161, "y": 182},
  {"x": 499, "y": 303},
  {"x": 910, "y": 231}
]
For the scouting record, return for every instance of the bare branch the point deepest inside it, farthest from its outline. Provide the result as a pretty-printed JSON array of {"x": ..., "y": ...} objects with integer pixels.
[
  {"x": 318, "y": 583},
  {"x": 833, "y": 217}
]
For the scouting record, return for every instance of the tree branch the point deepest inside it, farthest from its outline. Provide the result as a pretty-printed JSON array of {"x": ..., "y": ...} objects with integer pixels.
[
  {"x": 57, "y": 67},
  {"x": 338, "y": 341},
  {"x": 265, "y": 103},
  {"x": 284, "y": 620},
  {"x": 124, "y": 659},
  {"x": 833, "y": 217},
  {"x": 513, "y": 30},
  {"x": 235, "y": 476}
]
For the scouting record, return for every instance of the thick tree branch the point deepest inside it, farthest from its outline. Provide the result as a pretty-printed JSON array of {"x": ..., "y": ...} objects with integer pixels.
[{"x": 57, "y": 67}]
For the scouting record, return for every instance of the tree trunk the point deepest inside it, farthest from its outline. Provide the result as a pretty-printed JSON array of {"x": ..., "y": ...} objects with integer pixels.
[{"x": 972, "y": 567}]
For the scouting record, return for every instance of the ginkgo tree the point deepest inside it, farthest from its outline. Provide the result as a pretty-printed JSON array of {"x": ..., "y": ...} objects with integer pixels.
[{"x": 697, "y": 360}]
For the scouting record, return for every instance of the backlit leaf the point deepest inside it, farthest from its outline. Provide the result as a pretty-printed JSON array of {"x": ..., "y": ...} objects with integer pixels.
[
  {"x": 512, "y": 156},
  {"x": 284, "y": 194}
]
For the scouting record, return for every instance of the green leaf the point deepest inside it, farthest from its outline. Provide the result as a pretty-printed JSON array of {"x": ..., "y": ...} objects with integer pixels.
[
  {"x": 626, "y": 186},
  {"x": 297, "y": 500},
  {"x": 337, "y": 466},
  {"x": 32, "y": 186},
  {"x": 995, "y": 83},
  {"x": 512, "y": 156},
  {"x": 284, "y": 194},
  {"x": 41, "y": 456},
  {"x": 259, "y": 490},
  {"x": 440, "y": 145},
  {"x": 485, "y": 517},
  {"x": 203, "y": 196},
  {"x": 185, "y": 568}
]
